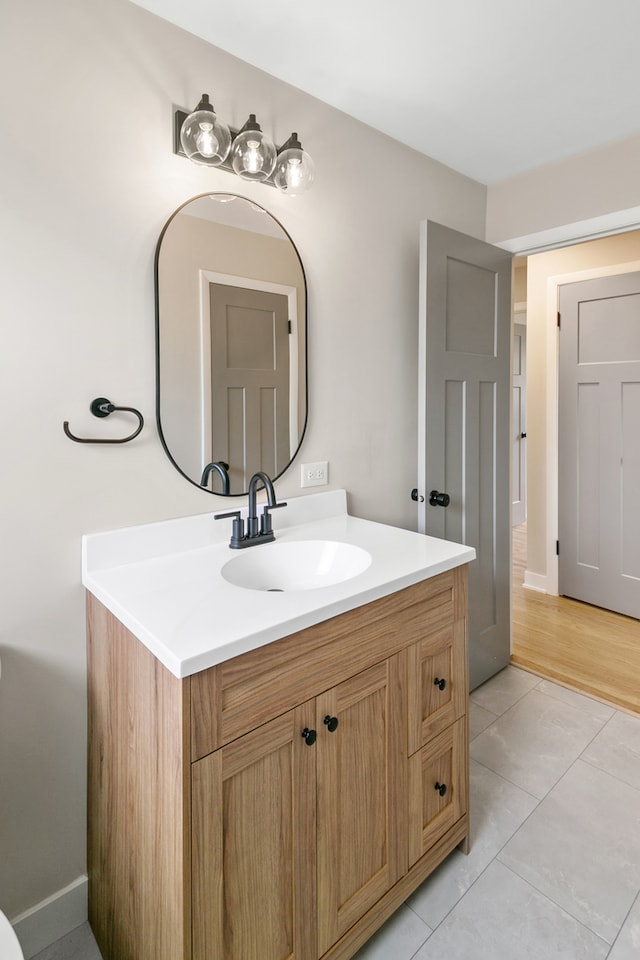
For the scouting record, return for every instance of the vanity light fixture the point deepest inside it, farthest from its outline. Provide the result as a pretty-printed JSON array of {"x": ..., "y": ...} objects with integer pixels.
[{"x": 207, "y": 140}]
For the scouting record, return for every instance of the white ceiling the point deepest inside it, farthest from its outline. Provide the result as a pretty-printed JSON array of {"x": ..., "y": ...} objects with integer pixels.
[{"x": 491, "y": 88}]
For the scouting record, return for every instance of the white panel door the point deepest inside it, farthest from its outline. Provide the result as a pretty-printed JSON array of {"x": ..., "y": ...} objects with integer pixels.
[
  {"x": 249, "y": 381},
  {"x": 464, "y": 443},
  {"x": 599, "y": 442}
]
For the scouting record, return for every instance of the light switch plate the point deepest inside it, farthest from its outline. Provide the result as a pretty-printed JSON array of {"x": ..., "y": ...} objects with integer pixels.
[{"x": 314, "y": 474}]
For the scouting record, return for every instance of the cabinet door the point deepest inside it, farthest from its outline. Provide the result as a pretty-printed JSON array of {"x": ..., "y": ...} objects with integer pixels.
[
  {"x": 360, "y": 790},
  {"x": 436, "y": 684},
  {"x": 253, "y": 836},
  {"x": 437, "y": 788}
]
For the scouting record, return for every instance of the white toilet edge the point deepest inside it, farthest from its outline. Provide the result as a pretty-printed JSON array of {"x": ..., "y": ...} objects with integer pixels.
[{"x": 10, "y": 948}]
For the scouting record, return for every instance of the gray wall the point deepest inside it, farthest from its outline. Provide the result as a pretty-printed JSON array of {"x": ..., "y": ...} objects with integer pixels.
[{"x": 88, "y": 180}]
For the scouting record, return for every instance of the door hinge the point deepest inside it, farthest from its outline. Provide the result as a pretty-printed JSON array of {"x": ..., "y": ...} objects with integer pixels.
[
  {"x": 558, "y": 319},
  {"x": 290, "y": 326},
  {"x": 557, "y": 548}
]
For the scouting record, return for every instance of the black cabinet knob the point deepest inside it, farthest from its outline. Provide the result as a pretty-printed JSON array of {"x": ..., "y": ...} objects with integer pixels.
[
  {"x": 331, "y": 723},
  {"x": 309, "y": 736},
  {"x": 441, "y": 684},
  {"x": 417, "y": 496},
  {"x": 441, "y": 788},
  {"x": 439, "y": 499}
]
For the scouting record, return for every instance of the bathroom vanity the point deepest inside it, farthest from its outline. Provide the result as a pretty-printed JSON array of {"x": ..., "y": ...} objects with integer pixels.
[{"x": 271, "y": 774}]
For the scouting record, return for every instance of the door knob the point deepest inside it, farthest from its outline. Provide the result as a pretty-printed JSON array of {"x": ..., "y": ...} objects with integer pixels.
[
  {"x": 524, "y": 436},
  {"x": 417, "y": 496},
  {"x": 441, "y": 788},
  {"x": 441, "y": 684},
  {"x": 309, "y": 736},
  {"x": 331, "y": 723},
  {"x": 439, "y": 499}
]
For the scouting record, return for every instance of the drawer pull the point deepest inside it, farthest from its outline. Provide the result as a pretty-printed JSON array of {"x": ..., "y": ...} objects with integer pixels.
[
  {"x": 439, "y": 683},
  {"x": 441, "y": 788},
  {"x": 331, "y": 723},
  {"x": 309, "y": 736}
]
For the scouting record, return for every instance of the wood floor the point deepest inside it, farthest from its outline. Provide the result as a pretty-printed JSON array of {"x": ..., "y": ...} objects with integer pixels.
[{"x": 591, "y": 650}]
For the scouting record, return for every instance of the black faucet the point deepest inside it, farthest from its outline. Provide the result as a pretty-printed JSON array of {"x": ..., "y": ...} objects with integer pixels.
[
  {"x": 221, "y": 468},
  {"x": 254, "y": 535}
]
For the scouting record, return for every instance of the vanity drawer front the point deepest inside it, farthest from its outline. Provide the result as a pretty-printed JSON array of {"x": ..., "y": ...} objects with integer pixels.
[
  {"x": 436, "y": 684},
  {"x": 236, "y": 696},
  {"x": 437, "y": 788}
]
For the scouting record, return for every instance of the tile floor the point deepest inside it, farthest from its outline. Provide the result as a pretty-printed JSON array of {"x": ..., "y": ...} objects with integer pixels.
[{"x": 554, "y": 867}]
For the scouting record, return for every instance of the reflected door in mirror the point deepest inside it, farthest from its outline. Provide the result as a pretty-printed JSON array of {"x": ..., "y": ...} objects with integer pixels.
[{"x": 249, "y": 372}]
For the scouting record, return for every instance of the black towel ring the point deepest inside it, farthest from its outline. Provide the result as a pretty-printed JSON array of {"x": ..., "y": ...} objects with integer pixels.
[{"x": 101, "y": 407}]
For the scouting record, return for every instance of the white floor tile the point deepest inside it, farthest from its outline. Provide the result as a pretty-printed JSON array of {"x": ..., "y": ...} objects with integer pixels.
[
  {"x": 535, "y": 742},
  {"x": 502, "y": 691},
  {"x": 581, "y": 848},
  {"x": 479, "y": 719},
  {"x": 77, "y": 945},
  {"x": 616, "y": 749},
  {"x": 498, "y": 809},
  {"x": 503, "y": 918},
  {"x": 627, "y": 946},
  {"x": 398, "y": 939},
  {"x": 597, "y": 709}
]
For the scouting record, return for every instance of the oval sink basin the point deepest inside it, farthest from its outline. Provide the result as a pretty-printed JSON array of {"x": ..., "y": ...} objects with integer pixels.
[{"x": 300, "y": 565}]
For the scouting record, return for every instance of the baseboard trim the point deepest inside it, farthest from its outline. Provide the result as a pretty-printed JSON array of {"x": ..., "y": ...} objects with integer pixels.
[
  {"x": 55, "y": 917},
  {"x": 535, "y": 581}
]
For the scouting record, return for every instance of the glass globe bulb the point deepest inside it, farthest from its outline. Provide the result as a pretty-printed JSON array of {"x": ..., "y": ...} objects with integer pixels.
[
  {"x": 294, "y": 168},
  {"x": 253, "y": 154},
  {"x": 205, "y": 139}
]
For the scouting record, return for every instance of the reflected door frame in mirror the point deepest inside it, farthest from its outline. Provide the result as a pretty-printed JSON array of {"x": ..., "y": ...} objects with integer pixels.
[{"x": 212, "y": 244}]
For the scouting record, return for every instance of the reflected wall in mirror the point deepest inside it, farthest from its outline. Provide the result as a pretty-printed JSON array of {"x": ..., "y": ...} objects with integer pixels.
[{"x": 231, "y": 343}]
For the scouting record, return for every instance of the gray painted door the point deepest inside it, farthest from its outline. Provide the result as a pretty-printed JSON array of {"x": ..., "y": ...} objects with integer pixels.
[
  {"x": 464, "y": 443},
  {"x": 599, "y": 442},
  {"x": 519, "y": 426},
  {"x": 249, "y": 381}
]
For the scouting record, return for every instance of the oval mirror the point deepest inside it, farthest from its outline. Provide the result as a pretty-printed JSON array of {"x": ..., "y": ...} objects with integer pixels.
[{"x": 231, "y": 343}]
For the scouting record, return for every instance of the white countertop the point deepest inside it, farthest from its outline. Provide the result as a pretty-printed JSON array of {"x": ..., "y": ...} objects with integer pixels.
[{"x": 163, "y": 581}]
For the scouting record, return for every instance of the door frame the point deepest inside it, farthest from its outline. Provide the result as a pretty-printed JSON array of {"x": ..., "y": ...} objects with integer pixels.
[
  {"x": 564, "y": 235},
  {"x": 549, "y": 583},
  {"x": 264, "y": 286}
]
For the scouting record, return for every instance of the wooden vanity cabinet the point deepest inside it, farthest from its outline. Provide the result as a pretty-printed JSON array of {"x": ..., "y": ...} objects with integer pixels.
[{"x": 303, "y": 808}]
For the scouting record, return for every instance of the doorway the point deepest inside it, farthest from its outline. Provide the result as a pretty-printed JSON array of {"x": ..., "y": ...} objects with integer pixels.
[{"x": 539, "y": 575}]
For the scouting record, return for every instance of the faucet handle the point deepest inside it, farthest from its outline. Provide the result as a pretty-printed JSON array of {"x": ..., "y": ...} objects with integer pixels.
[
  {"x": 237, "y": 534},
  {"x": 265, "y": 519}
]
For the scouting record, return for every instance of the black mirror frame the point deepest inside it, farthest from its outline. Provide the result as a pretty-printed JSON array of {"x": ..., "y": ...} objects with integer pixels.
[{"x": 157, "y": 343}]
